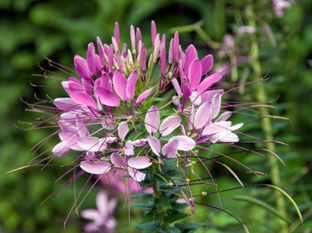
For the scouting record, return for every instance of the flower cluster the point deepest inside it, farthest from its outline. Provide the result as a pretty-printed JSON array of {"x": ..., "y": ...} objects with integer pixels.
[{"x": 119, "y": 117}]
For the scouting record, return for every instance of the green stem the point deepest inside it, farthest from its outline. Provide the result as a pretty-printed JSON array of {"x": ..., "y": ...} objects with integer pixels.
[
  {"x": 266, "y": 122},
  {"x": 155, "y": 186},
  {"x": 197, "y": 27}
]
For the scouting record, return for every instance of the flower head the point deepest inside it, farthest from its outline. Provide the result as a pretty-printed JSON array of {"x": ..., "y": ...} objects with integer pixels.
[{"x": 113, "y": 118}]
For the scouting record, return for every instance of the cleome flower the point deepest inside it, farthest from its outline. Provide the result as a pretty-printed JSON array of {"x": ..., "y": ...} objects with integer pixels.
[
  {"x": 102, "y": 219},
  {"x": 113, "y": 115}
]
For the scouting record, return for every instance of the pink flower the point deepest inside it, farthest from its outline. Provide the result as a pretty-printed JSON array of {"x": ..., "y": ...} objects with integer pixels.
[
  {"x": 102, "y": 219},
  {"x": 117, "y": 182},
  {"x": 103, "y": 116},
  {"x": 279, "y": 7},
  {"x": 132, "y": 165},
  {"x": 168, "y": 125}
]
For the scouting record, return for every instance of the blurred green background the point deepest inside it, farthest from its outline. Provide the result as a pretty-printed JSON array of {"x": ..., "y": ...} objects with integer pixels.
[{"x": 32, "y": 29}]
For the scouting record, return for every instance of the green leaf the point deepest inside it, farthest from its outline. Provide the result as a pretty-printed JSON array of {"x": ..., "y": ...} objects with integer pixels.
[
  {"x": 232, "y": 172},
  {"x": 187, "y": 227},
  {"x": 261, "y": 204},
  {"x": 164, "y": 202},
  {"x": 151, "y": 226},
  {"x": 175, "y": 217},
  {"x": 152, "y": 217},
  {"x": 288, "y": 197}
]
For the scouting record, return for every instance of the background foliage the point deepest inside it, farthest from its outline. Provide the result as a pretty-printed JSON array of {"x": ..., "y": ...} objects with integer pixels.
[{"x": 32, "y": 29}]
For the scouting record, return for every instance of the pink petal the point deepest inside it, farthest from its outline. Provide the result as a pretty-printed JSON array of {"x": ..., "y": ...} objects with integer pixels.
[
  {"x": 83, "y": 98},
  {"x": 208, "y": 82},
  {"x": 185, "y": 85},
  {"x": 129, "y": 148},
  {"x": 194, "y": 74},
  {"x": 216, "y": 127},
  {"x": 123, "y": 129},
  {"x": 97, "y": 168},
  {"x": 176, "y": 86},
  {"x": 120, "y": 84},
  {"x": 138, "y": 36},
  {"x": 101, "y": 204},
  {"x": 224, "y": 116},
  {"x": 139, "y": 142},
  {"x": 92, "y": 144},
  {"x": 136, "y": 175},
  {"x": 79, "y": 96},
  {"x": 100, "y": 50},
  {"x": 208, "y": 95},
  {"x": 132, "y": 36},
  {"x": 229, "y": 137},
  {"x": 60, "y": 149},
  {"x": 87, "y": 86},
  {"x": 91, "y": 58},
  {"x": 224, "y": 136},
  {"x": 117, "y": 160},
  {"x": 124, "y": 50},
  {"x": 152, "y": 120},
  {"x": 143, "y": 58},
  {"x": 156, "y": 47},
  {"x": 170, "y": 56},
  {"x": 171, "y": 148},
  {"x": 91, "y": 227},
  {"x": 190, "y": 55},
  {"x": 195, "y": 99},
  {"x": 153, "y": 32},
  {"x": 143, "y": 96},
  {"x": 163, "y": 60},
  {"x": 65, "y": 86},
  {"x": 139, "y": 162},
  {"x": 91, "y": 214},
  {"x": 131, "y": 84},
  {"x": 236, "y": 127},
  {"x": 185, "y": 143},
  {"x": 202, "y": 115},
  {"x": 176, "y": 45},
  {"x": 81, "y": 67},
  {"x": 117, "y": 33},
  {"x": 169, "y": 124},
  {"x": 65, "y": 104},
  {"x": 207, "y": 63},
  {"x": 82, "y": 130},
  {"x": 216, "y": 105},
  {"x": 110, "y": 207},
  {"x": 103, "y": 82},
  {"x": 154, "y": 144},
  {"x": 110, "y": 59},
  {"x": 98, "y": 64},
  {"x": 107, "y": 97},
  {"x": 70, "y": 140},
  {"x": 110, "y": 139}
]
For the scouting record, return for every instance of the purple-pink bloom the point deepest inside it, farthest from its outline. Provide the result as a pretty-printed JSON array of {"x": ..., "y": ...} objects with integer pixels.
[{"x": 102, "y": 217}]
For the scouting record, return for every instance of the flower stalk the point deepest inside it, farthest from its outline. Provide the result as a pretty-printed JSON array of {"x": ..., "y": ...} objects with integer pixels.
[{"x": 265, "y": 122}]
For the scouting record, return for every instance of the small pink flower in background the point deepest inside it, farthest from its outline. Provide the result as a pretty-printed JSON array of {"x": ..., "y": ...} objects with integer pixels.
[
  {"x": 118, "y": 183},
  {"x": 245, "y": 29},
  {"x": 279, "y": 7},
  {"x": 102, "y": 217}
]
